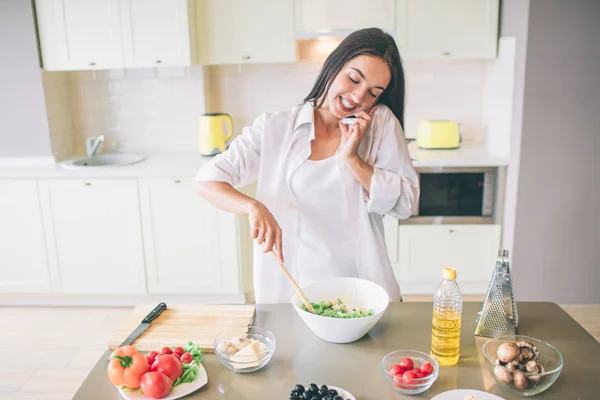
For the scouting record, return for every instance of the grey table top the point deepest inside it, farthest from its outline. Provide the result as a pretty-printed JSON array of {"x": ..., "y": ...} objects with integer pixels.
[{"x": 301, "y": 357}]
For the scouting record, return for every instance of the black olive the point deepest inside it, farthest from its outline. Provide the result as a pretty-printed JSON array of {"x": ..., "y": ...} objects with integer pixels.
[
  {"x": 328, "y": 397},
  {"x": 294, "y": 393},
  {"x": 316, "y": 398},
  {"x": 299, "y": 389},
  {"x": 323, "y": 392},
  {"x": 324, "y": 387},
  {"x": 333, "y": 392},
  {"x": 313, "y": 387},
  {"x": 338, "y": 398},
  {"x": 294, "y": 398}
]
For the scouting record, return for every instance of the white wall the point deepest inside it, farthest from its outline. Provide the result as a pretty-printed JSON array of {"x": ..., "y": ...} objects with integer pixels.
[
  {"x": 23, "y": 122},
  {"x": 158, "y": 108}
]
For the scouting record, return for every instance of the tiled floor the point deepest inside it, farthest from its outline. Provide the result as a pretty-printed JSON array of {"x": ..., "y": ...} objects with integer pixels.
[{"x": 46, "y": 353}]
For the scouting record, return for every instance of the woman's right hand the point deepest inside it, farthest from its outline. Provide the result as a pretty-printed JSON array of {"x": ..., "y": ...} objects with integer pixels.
[{"x": 265, "y": 229}]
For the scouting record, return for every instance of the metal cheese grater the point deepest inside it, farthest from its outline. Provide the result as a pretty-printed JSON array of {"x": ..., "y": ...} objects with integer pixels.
[{"x": 499, "y": 316}]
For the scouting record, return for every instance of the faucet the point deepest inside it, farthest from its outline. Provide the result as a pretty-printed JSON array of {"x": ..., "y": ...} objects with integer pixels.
[{"x": 93, "y": 144}]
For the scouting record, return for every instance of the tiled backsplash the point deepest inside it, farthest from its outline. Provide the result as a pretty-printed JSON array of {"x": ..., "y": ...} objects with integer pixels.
[{"x": 158, "y": 108}]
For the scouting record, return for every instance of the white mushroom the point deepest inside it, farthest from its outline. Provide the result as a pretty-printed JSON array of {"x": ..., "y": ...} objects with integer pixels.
[
  {"x": 520, "y": 381},
  {"x": 503, "y": 375},
  {"x": 508, "y": 352}
]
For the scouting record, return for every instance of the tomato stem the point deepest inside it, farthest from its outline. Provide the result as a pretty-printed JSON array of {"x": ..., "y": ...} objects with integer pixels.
[{"x": 125, "y": 360}]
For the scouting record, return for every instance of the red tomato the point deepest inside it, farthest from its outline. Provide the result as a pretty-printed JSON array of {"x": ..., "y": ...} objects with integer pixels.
[
  {"x": 156, "y": 385},
  {"x": 169, "y": 365},
  {"x": 166, "y": 350},
  {"x": 407, "y": 363},
  {"x": 151, "y": 356},
  {"x": 187, "y": 358},
  {"x": 178, "y": 350},
  {"x": 416, "y": 371},
  {"x": 409, "y": 378},
  {"x": 398, "y": 381},
  {"x": 421, "y": 375},
  {"x": 397, "y": 369},
  {"x": 426, "y": 368}
]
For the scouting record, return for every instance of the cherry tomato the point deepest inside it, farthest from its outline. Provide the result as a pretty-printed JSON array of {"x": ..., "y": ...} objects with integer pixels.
[
  {"x": 156, "y": 385},
  {"x": 416, "y": 371},
  {"x": 178, "y": 350},
  {"x": 187, "y": 358},
  {"x": 151, "y": 356},
  {"x": 409, "y": 378},
  {"x": 166, "y": 350},
  {"x": 407, "y": 363},
  {"x": 426, "y": 368},
  {"x": 397, "y": 369},
  {"x": 421, "y": 375},
  {"x": 398, "y": 381}
]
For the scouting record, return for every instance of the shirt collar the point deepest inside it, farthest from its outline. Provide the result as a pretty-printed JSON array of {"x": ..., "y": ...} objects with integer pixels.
[{"x": 306, "y": 116}]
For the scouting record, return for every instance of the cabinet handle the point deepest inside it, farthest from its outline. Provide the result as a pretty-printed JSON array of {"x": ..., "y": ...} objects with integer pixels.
[
  {"x": 245, "y": 57},
  {"x": 159, "y": 61},
  {"x": 451, "y": 230},
  {"x": 446, "y": 53},
  {"x": 177, "y": 181},
  {"x": 88, "y": 184},
  {"x": 92, "y": 64}
]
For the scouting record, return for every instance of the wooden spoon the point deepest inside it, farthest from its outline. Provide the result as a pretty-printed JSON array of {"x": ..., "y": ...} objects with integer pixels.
[{"x": 296, "y": 287}]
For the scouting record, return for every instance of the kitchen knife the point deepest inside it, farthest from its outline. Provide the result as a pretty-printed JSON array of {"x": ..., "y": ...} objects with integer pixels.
[{"x": 144, "y": 324}]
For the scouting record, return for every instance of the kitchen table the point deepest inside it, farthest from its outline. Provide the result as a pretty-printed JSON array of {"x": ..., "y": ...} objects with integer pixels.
[{"x": 301, "y": 357}]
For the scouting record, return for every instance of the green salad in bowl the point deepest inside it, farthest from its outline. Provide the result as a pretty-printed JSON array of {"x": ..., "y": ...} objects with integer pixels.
[{"x": 337, "y": 309}]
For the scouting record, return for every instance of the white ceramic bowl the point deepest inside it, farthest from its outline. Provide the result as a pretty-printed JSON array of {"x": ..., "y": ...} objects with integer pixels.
[{"x": 354, "y": 292}]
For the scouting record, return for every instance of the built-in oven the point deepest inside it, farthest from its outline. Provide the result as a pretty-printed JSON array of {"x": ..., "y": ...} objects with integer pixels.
[{"x": 456, "y": 196}]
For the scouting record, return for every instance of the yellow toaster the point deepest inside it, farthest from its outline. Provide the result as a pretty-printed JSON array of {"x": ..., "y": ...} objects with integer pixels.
[{"x": 438, "y": 134}]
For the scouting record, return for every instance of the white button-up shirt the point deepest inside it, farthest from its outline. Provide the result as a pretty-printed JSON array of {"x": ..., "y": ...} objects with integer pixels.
[{"x": 271, "y": 150}]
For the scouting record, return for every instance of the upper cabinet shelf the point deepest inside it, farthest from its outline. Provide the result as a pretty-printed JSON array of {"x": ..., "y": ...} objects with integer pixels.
[
  {"x": 113, "y": 34},
  {"x": 447, "y": 29}
]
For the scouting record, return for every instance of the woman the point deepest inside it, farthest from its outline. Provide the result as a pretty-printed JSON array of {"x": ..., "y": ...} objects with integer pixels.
[{"x": 324, "y": 186}]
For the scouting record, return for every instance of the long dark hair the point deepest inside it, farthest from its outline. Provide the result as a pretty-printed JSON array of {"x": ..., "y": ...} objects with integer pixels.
[{"x": 371, "y": 42}]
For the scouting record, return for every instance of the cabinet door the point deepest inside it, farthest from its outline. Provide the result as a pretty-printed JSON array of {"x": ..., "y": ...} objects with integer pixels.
[
  {"x": 328, "y": 15},
  {"x": 79, "y": 34},
  {"x": 438, "y": 29},
  {"x": 426, "y": 249},
  {"x": 156, "y": 33},
  {"x": 242, "y": 31},
  {"x": 23, "y": 260},
  {"x": 191, "y": 247},
  {"x": 94, "y": 235}
]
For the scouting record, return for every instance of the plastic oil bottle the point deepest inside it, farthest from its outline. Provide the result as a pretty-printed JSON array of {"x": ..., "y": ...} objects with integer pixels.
[{"x": 447, "y": 316}]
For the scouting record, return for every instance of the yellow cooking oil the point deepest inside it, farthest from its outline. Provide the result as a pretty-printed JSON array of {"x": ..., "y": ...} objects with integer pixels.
[{"x": 446, "y": 321}]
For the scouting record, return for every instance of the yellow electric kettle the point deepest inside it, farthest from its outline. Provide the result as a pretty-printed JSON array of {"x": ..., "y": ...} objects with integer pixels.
[{"x": 214, "y": 132}]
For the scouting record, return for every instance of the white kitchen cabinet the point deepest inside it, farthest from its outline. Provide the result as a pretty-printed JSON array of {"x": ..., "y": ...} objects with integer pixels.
[
  {"x": 23, "y": 260},
  {"x": 79, "y": 34},
  {"x": 93, "y": 235},
  {"x": 155, "y": 33},
  {"x": 447, "y": 29},
  {"x": 424, "y": 251},
  {"x": 191, "y": 247},
  {"x": 242, "y": 31},
  {"x": 320, "y": 16}
]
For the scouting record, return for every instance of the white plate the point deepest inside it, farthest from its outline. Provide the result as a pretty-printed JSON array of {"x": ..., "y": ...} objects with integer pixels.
[
  {"x": 178, "y": 391},
  {"x": 459, "y": 394},
  {"x": 346, "y": 394}
]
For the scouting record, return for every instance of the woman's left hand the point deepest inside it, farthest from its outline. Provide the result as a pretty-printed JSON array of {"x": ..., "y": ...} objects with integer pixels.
[{"x": 353, "y": 134}]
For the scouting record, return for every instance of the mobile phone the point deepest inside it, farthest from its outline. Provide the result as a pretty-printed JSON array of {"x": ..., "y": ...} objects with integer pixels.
[{"x": 349, "y": 120}]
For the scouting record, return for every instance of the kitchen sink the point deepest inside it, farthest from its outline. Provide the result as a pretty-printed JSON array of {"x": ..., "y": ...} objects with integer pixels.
[{"x": 104, "y": 160}]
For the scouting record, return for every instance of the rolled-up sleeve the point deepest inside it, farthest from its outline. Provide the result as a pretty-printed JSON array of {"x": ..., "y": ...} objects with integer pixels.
[
  {"x": 239, "y": 165},
  {"x": 395, "y": 184}
]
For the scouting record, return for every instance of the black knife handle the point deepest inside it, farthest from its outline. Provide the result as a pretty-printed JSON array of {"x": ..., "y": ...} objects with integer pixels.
[{"x": 155, "y": 313}]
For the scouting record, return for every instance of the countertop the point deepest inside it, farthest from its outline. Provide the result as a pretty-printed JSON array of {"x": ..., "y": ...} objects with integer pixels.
[
  {"x": 301, "y": 357},
  {"x": 186, "y": 164}
]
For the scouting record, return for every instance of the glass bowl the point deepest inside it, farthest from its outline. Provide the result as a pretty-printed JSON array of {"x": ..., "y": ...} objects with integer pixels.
[
  {"x": 529, "y": 383},
  {"x": 248, "y": 362},
  {"x": 415, "y": 386}
]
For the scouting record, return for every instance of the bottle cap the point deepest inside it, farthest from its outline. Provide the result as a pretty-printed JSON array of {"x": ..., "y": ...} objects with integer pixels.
[{"x": 449, "y": 273}]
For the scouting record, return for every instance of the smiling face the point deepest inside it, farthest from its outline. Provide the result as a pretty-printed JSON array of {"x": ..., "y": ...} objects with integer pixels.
[{"x": 358, "y": 85}]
